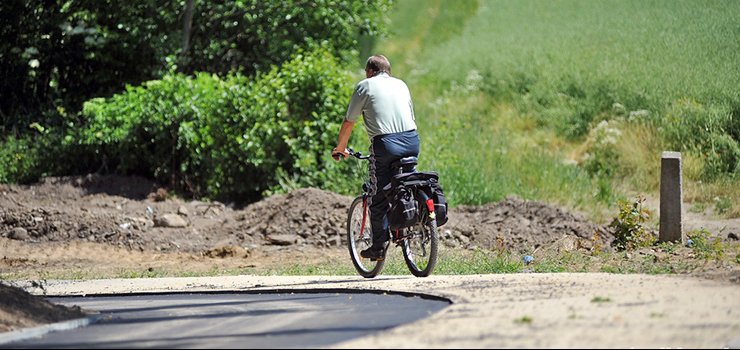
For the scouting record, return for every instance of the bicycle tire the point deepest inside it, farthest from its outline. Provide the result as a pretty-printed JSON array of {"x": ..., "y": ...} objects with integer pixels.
[
  {"x": 357, "y": 241},
  {"x": 423, "y": 235}
]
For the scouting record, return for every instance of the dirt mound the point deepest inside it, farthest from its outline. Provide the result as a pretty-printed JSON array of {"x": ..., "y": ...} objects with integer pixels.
[
  {"x": 518, "y": 225},
  {"x": 304, "y": 216},
  {"x": 19, "y": 309},
  {"x": 135, "y": 213}
]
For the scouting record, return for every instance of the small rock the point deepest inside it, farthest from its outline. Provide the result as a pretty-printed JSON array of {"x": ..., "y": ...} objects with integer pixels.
[
  {"x": 286, "y": 239},
  {"x": 159, "y": 196},
  {"x": 20, "y": 234},
  {"x": 170, "y": 220}
]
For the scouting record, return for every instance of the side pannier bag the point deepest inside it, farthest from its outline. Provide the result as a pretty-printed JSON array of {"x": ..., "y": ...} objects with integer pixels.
[
  {"x": 440, "y": 202},
  {"x": 429, "y": 182},
  {"x": 403, "y": 210}
]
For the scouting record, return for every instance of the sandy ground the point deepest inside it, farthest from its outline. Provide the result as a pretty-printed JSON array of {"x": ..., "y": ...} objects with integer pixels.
[{"x": 525, "y": 310}]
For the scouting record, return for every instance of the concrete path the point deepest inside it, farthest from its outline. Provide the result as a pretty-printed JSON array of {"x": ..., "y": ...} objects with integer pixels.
[{"x": 531, "y": 310}]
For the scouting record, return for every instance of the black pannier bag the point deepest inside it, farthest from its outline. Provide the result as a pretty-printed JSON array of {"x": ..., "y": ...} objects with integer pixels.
[
  {"x": 403, "y": 210},
  {"x": 440, "y": 202},
  {"x": 401, "y": 197}
]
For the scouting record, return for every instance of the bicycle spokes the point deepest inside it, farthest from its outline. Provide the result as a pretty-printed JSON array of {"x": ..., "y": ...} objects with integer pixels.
[
  {"x": 360, "y": 238},
  {"x": 420, "y": 248},
  {"x": 363, "y": 234},
  {"x": 419, "y": 244}
]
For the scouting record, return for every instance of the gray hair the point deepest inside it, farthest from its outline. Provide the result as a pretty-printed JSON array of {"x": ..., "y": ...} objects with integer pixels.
[{"x": 378, "y": 63}]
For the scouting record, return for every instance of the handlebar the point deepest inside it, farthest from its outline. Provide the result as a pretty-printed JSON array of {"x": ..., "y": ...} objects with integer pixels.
[{"x": 355, "y": 154}]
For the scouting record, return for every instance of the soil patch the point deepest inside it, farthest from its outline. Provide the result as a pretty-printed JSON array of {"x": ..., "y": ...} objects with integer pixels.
[{"x": 134, "y": 213}]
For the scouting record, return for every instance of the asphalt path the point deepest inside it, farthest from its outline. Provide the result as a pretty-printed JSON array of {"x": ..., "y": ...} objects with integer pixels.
[{"x": 234, "y": 320}]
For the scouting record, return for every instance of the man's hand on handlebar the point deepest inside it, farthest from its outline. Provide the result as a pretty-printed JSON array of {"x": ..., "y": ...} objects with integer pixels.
[{"x": 338, "y": 155}]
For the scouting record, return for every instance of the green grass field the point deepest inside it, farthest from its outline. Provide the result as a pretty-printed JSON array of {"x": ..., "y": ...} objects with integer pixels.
[{"x": 508, "y": 95}]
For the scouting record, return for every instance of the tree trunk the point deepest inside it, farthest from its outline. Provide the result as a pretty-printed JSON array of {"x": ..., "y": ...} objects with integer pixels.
[{"x": 187, "y": 26}]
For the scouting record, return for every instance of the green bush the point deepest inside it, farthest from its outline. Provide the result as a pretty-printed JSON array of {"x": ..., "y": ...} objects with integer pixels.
[
  {"x": 629, "y": 226},
  {"x": 231, "y": 137},
  {"x": 18, "y": 160},
  {"x": 26, "y": 158}
]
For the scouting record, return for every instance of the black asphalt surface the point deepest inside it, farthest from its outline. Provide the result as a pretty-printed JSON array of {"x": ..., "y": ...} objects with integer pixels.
[{"x": 234, "y": 320}]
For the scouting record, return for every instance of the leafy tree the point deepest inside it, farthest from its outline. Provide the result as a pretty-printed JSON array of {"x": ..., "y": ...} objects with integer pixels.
[
  {"x": 251, "y": 35},
  {"x": 56, "y": 54}
]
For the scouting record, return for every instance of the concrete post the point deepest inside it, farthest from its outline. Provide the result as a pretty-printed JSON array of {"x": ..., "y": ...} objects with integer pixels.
[{"x": 671, "y": 198}]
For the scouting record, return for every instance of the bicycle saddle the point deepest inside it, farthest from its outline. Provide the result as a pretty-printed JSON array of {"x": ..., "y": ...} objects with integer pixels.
[{"x": 406, "y": 163}]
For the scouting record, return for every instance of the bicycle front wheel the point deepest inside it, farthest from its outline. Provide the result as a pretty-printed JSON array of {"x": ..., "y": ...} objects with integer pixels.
[
  {"x": 420, "y": 247},
  {"x": 360, "y": 237}
]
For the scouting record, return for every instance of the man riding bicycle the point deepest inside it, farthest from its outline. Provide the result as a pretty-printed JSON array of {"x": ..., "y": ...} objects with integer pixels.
[{"x": 388, "y": 113}]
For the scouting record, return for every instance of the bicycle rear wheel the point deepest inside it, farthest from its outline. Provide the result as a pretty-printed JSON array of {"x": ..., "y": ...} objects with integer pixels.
[
  {"x": 360, "y": 237},
  {"x": 420, "y": 247}
]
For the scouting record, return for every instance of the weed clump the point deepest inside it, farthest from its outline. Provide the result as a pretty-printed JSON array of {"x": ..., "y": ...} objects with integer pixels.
[{"x": 629, "y": 226}]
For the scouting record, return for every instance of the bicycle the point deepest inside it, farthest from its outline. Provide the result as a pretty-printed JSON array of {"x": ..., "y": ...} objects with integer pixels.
[{"x": 418, "y": 242}]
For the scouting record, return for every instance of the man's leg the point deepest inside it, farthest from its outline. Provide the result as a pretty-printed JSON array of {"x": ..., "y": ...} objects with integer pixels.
[{"x": 379, "y": 177}]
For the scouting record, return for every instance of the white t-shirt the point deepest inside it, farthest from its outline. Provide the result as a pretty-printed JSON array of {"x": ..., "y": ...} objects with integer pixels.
[{"x": 385, "y": 104}]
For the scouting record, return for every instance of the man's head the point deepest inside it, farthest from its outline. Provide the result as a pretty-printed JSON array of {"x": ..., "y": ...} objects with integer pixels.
[{"x": 377, "y": 64}]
